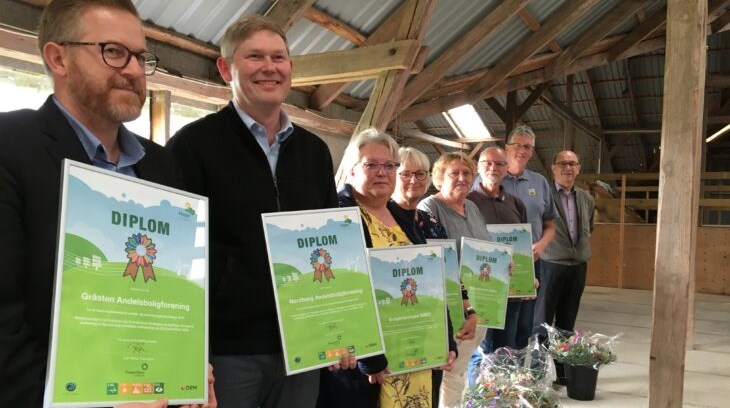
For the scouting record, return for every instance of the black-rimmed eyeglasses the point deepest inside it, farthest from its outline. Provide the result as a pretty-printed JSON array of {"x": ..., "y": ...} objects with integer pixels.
[{"x": 117, "y": 55}]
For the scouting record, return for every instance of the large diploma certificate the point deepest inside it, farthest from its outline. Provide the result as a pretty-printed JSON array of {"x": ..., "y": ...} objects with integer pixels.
[
  {"x": 453, "y": 282},
  {"x": 324, "y": 296},
  {"x": 130, "y": 296},
  {"x": 522, "y": 283},
  {"x": 409, "y": 286},
  {"x": 485, "y": 273}
]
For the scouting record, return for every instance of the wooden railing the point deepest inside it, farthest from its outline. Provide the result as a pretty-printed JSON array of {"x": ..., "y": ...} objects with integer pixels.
[{"x": 639, "y": 192}]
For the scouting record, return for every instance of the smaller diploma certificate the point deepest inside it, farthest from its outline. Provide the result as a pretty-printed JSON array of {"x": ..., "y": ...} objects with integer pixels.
[
  {"x": 130, "y": 317},
  {"x": 485, "y": 273},
  {"x": 324, "y": 296},
  {"x": 522, "y": 283},
  {"x": 409, "y": 287},
  {"x": 453, "y": 282}
]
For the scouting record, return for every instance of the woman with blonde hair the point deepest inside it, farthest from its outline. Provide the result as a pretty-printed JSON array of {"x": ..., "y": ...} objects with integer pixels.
[
  {"x": 452, "y": 175},
  {"x": 371, "y": 165}
]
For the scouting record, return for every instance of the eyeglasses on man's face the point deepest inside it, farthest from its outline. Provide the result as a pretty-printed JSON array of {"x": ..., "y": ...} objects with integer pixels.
[
  {"x": 420, "y": 175},
  {"x": 566, "y": 164},
  {"x": 490, "y": 163},
  {"x": 373, "y": 167},
  {"x": 118, "y": 56},
  {"x": 518, "y": 146}
]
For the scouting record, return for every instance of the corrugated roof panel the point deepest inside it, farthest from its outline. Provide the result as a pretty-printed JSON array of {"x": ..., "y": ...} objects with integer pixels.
[
  {"x": 204, "y": 20},
  {"x": 363, "y": 15},
  {"x": 307, "y": 38},
  {"x": 361, "y": 89},
  {"x": 451, "y": 20},
  {"x": 543, "y": 9},
  {"x": 488, "y": 53},
  {"x": 628, "y": 25},
  {"x": 586, "y": 21}
]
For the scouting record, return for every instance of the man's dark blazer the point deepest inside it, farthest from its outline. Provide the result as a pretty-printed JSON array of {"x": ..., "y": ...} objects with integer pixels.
[{"x": 33, "y": 145}]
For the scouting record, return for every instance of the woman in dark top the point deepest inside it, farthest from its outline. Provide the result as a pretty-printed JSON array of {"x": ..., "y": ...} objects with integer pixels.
[{"x": 371, "y": 165}]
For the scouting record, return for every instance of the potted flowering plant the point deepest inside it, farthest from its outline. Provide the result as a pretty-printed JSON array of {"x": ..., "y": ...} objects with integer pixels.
[{"x": 582, "y": 353}]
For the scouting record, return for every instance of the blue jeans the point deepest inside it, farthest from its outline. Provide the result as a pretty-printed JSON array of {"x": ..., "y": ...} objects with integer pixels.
[
  {"x": 525, "y": 324},
  {"x": 506, "y": 337}
]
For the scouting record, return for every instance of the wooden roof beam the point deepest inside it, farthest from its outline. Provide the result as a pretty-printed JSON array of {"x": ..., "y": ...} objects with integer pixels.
[
  {"x": 286, "y": 12},
  {"x": 419, "y": 135},
  {"x": 533, "y": 78},
  {"x": 534, "y": 25},
  {"x": 568, "y": 13},
  {"x": 325, "y": 94},
  {"x": 353, "y": 64},
  {"x": 389, "y": 87},
  {"x": 334, "y": 25},
  {"x": 568, "y": 114},
  {"x": 635, "y": 110},
  {"x": 620, "y": 13},
  {"x": 479, "y": 33}
]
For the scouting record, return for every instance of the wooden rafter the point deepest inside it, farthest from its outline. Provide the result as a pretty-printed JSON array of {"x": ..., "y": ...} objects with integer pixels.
[
  {"x": 419, "y": 135},
  {"x": 334, "y": 25},
  {"x": 567, "y": 14},
  {"x": 622, "y": 11},
  {"x": 568, "y": 129},
  {"x": 534, "y": 25},
  {"x": 568, "y": 114},
  {"x": 325, "y": 94},
  {"x": 286, "y": 12},
  {"x": 636, "y": 114},
  {"x": 353, "y": 64},
  {"x": 479, "y": 33},
  {"x": 389, "y": 86}
]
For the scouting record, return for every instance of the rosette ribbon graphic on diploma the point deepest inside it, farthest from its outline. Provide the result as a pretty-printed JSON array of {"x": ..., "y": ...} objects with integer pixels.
[
  {"x": 484, "y": 272},
  {"x": 141, "y": 253},
  {"x": 408, "y": 288},
  {"x": 321, "y": 261}
]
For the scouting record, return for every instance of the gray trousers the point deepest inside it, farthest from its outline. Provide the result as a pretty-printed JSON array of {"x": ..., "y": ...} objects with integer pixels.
[{"x": 260, "y": 380}]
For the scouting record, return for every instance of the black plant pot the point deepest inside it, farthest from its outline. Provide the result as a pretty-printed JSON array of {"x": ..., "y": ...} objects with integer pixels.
[
  {"x": 560, "y": 373},
  {"x": 581, "y": 382}
]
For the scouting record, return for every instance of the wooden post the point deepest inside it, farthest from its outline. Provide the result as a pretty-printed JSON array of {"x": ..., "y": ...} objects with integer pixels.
[
  {"x": 684, "y": 97},
  {"x": 160, "y": 116},
  {"x": 622, "y": 233}
]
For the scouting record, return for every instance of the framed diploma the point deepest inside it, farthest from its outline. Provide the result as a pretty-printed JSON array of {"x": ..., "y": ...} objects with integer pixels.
[
  {"x": 410, "y": 289},
  {"x": 324, "y": 295},
  {"x": 130, "y": 295},
  {"x": 522, "y": 283},
  {"x": 453, "y": 281},
  {"x": 485, "y": 273}
]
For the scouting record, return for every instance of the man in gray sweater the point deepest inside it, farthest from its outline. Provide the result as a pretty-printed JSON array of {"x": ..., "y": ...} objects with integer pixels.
[{"x": 564, "y": 261}]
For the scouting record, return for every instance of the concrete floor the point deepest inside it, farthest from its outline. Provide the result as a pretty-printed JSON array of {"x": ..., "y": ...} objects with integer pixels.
[{"x": 626, "y": 382}]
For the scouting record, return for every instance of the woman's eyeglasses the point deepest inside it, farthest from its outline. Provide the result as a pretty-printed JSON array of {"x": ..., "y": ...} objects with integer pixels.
[{"x": 420, "y": 175}]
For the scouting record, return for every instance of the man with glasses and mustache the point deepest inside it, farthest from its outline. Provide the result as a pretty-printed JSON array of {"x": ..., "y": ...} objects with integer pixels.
[
  {"x": 534, "y": 192},
  {"x": 497, "y": 207},
  {"x": 564, "y": 262},
  {"x": 96, "y": 54}
]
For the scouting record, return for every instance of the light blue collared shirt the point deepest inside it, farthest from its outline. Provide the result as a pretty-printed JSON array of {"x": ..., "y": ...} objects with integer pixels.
[
  {"x": 131, "y": 153},
  {"x": 567, "y": 198},
  {"x": 259, "y": 133}
]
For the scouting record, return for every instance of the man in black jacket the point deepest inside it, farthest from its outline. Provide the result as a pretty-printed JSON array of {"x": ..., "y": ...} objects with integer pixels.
[
  {"x": 249, "y": 159},
  {"x": 97, "y": 86}
]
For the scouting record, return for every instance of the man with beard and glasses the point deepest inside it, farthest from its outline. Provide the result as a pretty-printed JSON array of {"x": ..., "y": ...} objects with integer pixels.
[
  {"x": 497, "y": 207},
  {"x": 95, "y": 52}
]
